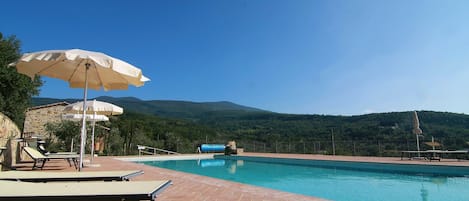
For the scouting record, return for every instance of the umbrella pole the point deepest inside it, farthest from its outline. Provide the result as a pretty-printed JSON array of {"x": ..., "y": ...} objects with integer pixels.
[
  {"x": 418, "y": 146},
  {"x": 92, "y": 138},
  {"x": 83, "y": 127},
  {"x": 433, "y": 143},
  {"x": 92, "y": 143}
]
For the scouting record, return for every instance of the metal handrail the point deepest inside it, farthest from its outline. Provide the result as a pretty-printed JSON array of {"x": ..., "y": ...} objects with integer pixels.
[{"x": 142, "y": 149}]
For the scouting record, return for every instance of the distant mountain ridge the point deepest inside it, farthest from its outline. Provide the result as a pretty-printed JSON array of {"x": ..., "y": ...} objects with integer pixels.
[{"x": 164, "y": 108}]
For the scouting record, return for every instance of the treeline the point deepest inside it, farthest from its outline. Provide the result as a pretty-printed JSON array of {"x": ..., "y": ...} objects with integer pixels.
[
  {"x": 122, "y": 134},
  {"x": 373, "y": 134}
]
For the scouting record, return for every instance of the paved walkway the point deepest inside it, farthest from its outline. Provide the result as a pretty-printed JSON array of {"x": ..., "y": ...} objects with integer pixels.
[{"x": 198, "y": 188}]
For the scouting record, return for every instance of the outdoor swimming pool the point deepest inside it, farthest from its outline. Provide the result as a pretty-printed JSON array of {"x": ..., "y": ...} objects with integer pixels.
[{"x": 340, "y": 184}]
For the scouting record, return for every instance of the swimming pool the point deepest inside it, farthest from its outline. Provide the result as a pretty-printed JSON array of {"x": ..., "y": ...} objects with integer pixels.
[{"x": 341, "y": 182}]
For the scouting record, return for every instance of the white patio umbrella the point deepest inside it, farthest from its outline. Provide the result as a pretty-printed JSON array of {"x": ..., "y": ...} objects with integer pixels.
[
  {"x": 89, "y": 117},
  {"x": 81, "y": 69},
  {"x": 416, "y": 130},
  {"x": 95, "y": 108}
]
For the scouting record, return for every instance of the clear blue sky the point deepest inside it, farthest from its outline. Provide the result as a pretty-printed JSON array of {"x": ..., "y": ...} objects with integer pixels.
[{"x": 291, "y": 56}]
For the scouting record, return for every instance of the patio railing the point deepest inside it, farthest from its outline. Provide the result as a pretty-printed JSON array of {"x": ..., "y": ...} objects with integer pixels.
[{"x": 142, "y": 149}]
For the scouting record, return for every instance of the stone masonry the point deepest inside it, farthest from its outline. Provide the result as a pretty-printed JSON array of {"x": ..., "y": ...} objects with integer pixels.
[
  {"x": 37, "y": 117},
  {"x": 9, "y": 132}
]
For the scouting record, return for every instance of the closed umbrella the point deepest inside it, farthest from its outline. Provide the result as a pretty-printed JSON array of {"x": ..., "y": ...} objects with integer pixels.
[
  {"x": 416, "y": 130},
  {"x": 81, "y": 69}
]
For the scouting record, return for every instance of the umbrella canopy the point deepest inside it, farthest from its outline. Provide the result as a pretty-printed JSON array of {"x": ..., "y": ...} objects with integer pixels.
[
  {"x": 89, "y": 117},
  {"x": 81, "y": 69},
  {"x": 98, "y": 107},
  {"x": 433, "y": 144}
]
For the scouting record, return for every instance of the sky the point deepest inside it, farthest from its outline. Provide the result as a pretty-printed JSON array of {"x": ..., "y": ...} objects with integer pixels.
[{"x": 340, "y": 57}]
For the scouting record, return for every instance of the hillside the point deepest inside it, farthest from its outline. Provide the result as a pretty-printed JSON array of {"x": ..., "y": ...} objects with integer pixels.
[
  {"x": 380, "y": 134},
  {"x": 181, "y": 125},
  {"x": 164, "y": 108}
]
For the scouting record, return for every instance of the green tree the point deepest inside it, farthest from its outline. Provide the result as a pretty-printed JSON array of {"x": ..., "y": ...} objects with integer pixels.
[
  {"x": 64, "y": 132},
  {"x": 16, "y": 89},
  {"x": 114, "y": 142}
]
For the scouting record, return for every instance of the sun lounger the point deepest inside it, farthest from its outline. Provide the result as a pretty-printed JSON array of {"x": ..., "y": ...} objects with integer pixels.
[
  {"x": 410, "y": 154},
  {"x": 433, "y": 154},
  {"x": 427, "y": 155},
  {"x": 459, "y": 154},
  {"x": 36, "y": 176},
  {"x": 45, "y": 152},
  {"x": 131, "y": 190},
  {"x": 38, "y": 157},
  {"x": 60, "y": 153}
]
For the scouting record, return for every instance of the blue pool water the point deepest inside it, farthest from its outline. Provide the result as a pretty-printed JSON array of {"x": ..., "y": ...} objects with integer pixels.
[{"x": 329, "y": 183}]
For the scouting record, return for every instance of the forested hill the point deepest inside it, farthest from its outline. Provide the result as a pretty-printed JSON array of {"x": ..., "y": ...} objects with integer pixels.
[
  {"x": 370, "y": 134},
  {"x": 163, "y": 108}
]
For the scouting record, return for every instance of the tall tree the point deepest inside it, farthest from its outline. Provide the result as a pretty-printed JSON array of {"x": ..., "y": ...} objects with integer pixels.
[{"x": 16, "y": 89}]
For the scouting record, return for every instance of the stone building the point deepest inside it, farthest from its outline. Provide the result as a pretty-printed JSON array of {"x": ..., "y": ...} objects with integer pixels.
[{"x": 37, "y": 117}]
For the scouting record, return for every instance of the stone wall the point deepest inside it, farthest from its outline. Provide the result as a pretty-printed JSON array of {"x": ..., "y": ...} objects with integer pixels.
[
  {"x": 9, "y": 131},
  {"x": 37, "y": 117}
]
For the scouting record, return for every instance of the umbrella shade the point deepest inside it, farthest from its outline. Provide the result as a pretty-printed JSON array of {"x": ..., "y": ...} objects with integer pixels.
[
  {"x": 71, "y": 65},
  {"x": 81, "y": 69},
  {"x": 433, "y": 144},
  {"x": 88, "y": 117},
  {"x": 98, "y": 107}
]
